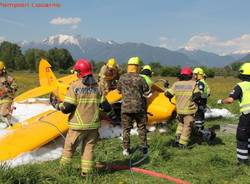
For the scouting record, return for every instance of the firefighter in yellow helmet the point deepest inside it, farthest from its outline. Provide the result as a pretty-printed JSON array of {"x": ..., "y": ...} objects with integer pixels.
[
  {"x": 199, "y": 76},
  {"x": 133, "y": 89},
  {"x": 109, "y": 75},
  {"x": 186, "y": 93},
  {"x": 146, "y": 73},
  {"x": 8, "y": 88},
  {"x": 82, "y": 101},
  {"x": 242, "y": 95}
]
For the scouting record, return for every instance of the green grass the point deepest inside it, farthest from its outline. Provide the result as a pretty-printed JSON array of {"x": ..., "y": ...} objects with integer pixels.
[{"x": 201, "y": 163}]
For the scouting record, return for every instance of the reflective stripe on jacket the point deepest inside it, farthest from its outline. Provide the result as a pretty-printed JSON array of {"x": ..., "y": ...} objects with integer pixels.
[
  {"x": 87, "y": 100},
  {"x": 183, "y": 91},
  {"x": 245, "y": 101},
  {"x": 206, "y": 92}
]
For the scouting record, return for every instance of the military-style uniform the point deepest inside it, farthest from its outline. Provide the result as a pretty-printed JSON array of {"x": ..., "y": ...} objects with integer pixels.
[
  {"x": 185, "y": 106},
  {"x": 241, "y": 93},
  {"x": 200, "y": 114},
  {"x": 107, "y": 78},
  {"x": 84, "y": 122},
  {"x": 133, "y": 87},
  {"x": 8, "y": 88}
]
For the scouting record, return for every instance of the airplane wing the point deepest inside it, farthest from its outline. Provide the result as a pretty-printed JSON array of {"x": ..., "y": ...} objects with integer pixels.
[
  {"x": 32, "y": 133},
  {"x": 39, "y": 91},
  {"x": 68, "y": 79}
]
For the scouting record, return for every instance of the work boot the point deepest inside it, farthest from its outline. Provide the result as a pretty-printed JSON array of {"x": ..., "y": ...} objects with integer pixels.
[
  {"x": 126, "y": 152},
  {"x": 83, "y": 174},
  {"x": 243, "y": 162},
  {"x": 176, "y": 141},
  {"x": 144, "y": 149},
  {"x": 208, "y": 134}
]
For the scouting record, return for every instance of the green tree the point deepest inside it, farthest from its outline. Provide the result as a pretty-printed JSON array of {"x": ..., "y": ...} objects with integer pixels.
[
  {"x": 156, "y": 68},
  {"x": 12, "y": 55},
  {"x": 33, "y": 56},
  {"x": 60, "y": 59}
]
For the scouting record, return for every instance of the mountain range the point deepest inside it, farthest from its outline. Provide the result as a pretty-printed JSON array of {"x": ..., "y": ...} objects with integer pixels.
[{"x": 99, "y": 50}]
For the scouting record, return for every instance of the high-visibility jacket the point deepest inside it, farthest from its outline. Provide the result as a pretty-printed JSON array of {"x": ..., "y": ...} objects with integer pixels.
[
  {"x": 183, "y": 92},
  {"x": 148, "y": 80},
  {"x": 206, "y": 92},
  {"x": 245, "y": 100},
  {"x": 87, "y": 101}
]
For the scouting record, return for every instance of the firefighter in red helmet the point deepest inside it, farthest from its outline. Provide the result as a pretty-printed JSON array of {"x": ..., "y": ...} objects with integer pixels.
[
  {"x": 82, "y": 101},
  {"x": 186, "y": 93}
]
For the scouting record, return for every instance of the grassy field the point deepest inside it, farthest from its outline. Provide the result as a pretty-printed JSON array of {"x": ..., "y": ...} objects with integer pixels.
[{"x": 201, "y": 163}]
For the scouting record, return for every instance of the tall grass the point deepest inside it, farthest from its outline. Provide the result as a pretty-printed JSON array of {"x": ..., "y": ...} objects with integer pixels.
[{"x": 202, "y": 163}]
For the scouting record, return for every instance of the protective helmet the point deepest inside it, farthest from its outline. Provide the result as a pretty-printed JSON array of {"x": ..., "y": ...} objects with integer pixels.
[
  {"x": 198, "y": 71},
  {"x": 2, "y": 66},
  {"x": 147, "y": 67},
  {"x": 82, "y": 67},
  {"x": 245, "y": 69},
  {"x": 111, "y": 63},
  {"x": 186, "y": 71},
  {"x": 134, "y": 61}
]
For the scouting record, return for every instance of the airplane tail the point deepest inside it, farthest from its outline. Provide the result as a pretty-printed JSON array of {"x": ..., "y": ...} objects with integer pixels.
[
  {"x": 46, "y": 75},
  {"x": 48, "y": 83}
]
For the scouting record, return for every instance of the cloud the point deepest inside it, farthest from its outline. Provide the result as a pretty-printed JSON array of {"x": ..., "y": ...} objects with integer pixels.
[
  {"x": 208, "y": 42},
  {"x": 200, "y": 41},
  {"x": 166, "y": 42},
  {"x": 1, "y": 39},
  {"x": 65, "y": 21}
]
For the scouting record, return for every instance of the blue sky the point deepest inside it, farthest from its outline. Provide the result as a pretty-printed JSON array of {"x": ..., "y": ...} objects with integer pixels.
[{"x": 220, "y": 26}]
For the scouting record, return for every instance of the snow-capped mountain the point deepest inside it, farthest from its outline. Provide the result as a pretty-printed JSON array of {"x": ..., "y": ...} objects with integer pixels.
[
  {"x": 62, "y": 40},
  {"x": 100, "y": 50}
]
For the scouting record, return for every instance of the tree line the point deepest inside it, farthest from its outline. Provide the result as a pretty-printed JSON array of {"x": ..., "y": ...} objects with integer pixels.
[
  {"x": 62, "y": 61},
  {"x": 14, "y": 59}
]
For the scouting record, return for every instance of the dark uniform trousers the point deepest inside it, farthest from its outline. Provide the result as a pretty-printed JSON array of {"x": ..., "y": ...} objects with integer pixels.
[
  {"x": 127, "y": 121},
  {"x": 243, "y": 137},
  {"x": 200, "y": 114}
]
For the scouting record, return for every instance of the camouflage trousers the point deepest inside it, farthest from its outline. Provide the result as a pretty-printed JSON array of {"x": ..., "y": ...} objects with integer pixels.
[
  {"x": 127, "y": 121},
  {"x": 5, "y": 112},
  {"x": 184, "y": 128},
  {"x": 88, "y": 138}
]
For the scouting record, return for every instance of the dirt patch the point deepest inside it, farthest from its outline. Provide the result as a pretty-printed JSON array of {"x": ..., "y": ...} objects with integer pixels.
[{"x": 228, "y": 128}]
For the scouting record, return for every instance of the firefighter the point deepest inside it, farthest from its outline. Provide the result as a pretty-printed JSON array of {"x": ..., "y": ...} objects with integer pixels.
[
  {"x": 8, "y": 88},
  {"x": 204, "y": 88},
  {"x": 207, "y": 134},
  {"x": 146, "y": 73},
  {"x": 109, "y": 75},
  {"x": 241, "y": 93},
  {"x": 187, "y": 94},
  {"x": 82, "y": 101},
  {"x": 133, "y": 89}
]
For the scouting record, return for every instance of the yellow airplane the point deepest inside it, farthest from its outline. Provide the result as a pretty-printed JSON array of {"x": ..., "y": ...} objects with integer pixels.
[{"x": 43, "y": 128}]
